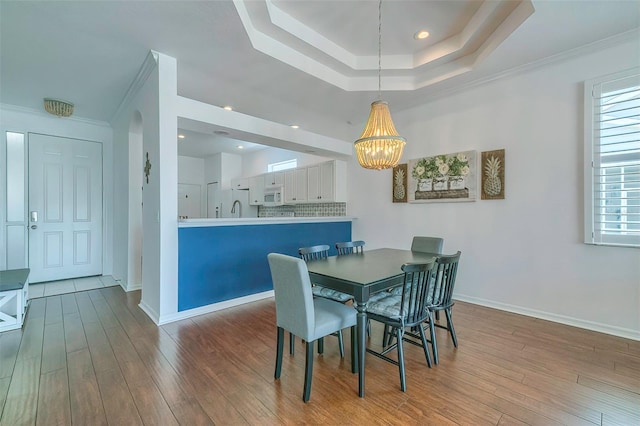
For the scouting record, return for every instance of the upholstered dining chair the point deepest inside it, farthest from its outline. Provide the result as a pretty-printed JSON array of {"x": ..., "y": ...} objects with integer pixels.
[
  {"x": 406, "y": 310},
  {"x": 298, "y": 312},
  {"x": 314, "y": 253},
  {"x": 427, "y": 244},
  {"x": 350, "y": 247}
]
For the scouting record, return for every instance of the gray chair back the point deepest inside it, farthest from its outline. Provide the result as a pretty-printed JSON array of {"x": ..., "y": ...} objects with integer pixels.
[
  {"x": 294, "y": 300},
  {"x": 350, "y": 247},
  {"x": 314, "y": 252},
  {"x": 427, "y": 244}
]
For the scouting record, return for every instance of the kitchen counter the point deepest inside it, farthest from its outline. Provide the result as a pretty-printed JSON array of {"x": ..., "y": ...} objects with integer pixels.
[{"x": 203, "y": 222}]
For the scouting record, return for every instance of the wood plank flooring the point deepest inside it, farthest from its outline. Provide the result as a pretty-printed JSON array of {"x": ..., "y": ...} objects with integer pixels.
[{"x": 94, "y": 358}]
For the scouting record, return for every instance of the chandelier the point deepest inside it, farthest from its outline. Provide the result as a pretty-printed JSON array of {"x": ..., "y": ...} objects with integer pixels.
[
  {"x": 58, "y": 107},
  {"x": 379, "y": 146}
]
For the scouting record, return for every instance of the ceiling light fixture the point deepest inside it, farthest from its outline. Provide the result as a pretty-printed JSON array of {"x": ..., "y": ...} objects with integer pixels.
[
  {"x": 228, "y": 108},
  {"x": 295, "y": 126},
  {"x": 180, "y": 136},
  {"x": 380, "y": 146},
  {"x": 240, "y": 147},
  {"x": 421, "y": 35},
  {"x": 58, "y": 107}
]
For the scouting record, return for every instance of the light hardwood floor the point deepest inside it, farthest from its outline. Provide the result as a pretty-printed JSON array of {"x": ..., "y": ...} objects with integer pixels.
[{"x": 93, "y": 358}]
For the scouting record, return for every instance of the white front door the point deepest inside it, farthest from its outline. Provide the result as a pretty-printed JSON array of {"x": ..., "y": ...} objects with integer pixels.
[{"x": 65, "y": 208}]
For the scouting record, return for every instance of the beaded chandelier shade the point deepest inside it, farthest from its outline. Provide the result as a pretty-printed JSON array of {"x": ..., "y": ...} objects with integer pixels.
[
  {"x": 380, "y": 146},
  {"x": 58, "y": 107}
]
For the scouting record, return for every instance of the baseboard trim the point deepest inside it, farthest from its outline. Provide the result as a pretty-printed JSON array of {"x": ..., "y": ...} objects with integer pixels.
[
  {"x": 562, "y": 319},
  {"x": 165, "y": 319},
  {"x": 151, "y": 313},
  {"x": 133, "y": 287}
]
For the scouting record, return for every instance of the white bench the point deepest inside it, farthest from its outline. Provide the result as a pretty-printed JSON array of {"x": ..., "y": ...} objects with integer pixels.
[{"x": 14, "y": 289}]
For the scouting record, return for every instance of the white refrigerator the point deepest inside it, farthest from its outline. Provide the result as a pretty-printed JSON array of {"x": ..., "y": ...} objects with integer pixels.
[{"x": 229, "y": 203}]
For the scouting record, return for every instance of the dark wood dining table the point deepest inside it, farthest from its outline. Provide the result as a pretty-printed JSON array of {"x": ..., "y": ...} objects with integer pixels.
[{"x": 362, "y": 275}]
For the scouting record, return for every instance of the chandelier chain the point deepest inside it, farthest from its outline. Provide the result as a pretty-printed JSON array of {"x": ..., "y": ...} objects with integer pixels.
[{"x": 379, "y": 48}]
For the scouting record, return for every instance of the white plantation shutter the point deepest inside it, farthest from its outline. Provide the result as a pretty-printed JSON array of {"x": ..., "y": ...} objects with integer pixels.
[{"x": 612, "y": 159}]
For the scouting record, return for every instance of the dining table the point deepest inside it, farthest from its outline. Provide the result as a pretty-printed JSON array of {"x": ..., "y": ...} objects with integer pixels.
[{"x": 362, "y": 275}]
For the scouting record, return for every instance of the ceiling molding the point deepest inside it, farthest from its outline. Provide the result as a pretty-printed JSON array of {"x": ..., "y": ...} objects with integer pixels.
[
  {"x": 149, "y": 64},
  {"x": 274, "y": 32},
  {"x": 42, "y": 113},
  {"x": 633, "y": 35}
]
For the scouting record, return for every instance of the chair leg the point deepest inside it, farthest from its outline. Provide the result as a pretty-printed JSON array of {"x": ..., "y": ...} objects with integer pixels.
[
  {"x": 279, "y": 348},
  {"x": 403, "y": 384},
  {"x": 452, "y": 330},
  {"x": 341, "y": 343},
  {"x": 308, "y": 371},
  {"x": 434, "y": 344},
  {"x": 437, "y": 315},
  {"x": 354, "y": 350},
  {"x": 425, "y": 346},
  {"x": 321, "y": 346},
  {"x": 292, "y": 343}
]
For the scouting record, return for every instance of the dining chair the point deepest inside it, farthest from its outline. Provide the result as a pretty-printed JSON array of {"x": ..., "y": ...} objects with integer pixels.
[
  {"x": 350, "y": 247},
  {"x": 427, "y": 244},
  {"x": 407, "y": 310},
  {"x": 298, "y": 312},
  {"x": 315, "y": 253},
  {"x": 441, "y": 297}
]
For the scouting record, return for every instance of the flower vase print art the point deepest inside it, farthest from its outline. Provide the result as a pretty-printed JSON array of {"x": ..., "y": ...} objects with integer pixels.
[{"x": 445, "y": 177}]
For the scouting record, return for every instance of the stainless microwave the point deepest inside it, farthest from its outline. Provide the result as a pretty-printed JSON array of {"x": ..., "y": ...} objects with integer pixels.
[{"x": 274, "y": 196}]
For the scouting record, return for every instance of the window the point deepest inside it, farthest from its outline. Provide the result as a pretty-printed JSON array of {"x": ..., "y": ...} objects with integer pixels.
[
  {"x": 612, "y": 159},
  {"x": 283, "y": 165}
]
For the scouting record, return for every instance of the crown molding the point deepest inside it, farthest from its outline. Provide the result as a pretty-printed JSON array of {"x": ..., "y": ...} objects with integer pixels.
[
  {"x": 149, "y": 64},
  {"x": 632, "y": 35},
  {"x": 43, "y": 114}
]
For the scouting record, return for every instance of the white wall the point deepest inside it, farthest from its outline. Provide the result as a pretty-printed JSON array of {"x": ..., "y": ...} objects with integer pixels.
[
  {"x": 155, "y": 100},
  {"x": 27, "y": 121},
  {"x": 524, "y": 253}
]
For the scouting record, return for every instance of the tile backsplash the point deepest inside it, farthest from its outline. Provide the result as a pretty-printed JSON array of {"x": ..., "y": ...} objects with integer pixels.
[{"x": 305, "y": 210}]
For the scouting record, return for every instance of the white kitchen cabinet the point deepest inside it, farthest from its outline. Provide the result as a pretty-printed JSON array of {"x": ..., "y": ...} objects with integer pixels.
[
  {"x": 240, "y": 183},
  {"x": 273, "y": 179},
  {"x": 256, "y": 190},
  {"x": 327, "y": 182},
  {"x": 295, "y": 186}
]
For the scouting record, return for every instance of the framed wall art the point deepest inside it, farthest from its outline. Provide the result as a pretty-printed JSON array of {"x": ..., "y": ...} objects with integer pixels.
[
  {"x": 443, "y": 178},
  {"x": 492, "y": 167},
  {"x": 399, "y": 184}
]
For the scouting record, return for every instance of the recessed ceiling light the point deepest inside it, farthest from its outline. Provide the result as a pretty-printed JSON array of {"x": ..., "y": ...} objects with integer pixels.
[
  {"x": 295, "y": 126},
  {"x": 240, "y": 147},
  {"x": 227, "y": 108},
  {"x": 420, "y": 35},
  {"x": 180, "y": 136}
]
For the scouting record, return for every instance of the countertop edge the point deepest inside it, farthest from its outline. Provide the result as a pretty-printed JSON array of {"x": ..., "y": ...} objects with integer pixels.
[{"x": 199, "y": 223}]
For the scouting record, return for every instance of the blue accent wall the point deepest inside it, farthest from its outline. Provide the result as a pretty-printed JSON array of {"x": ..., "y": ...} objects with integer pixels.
[{"x": 218, "y": 263}]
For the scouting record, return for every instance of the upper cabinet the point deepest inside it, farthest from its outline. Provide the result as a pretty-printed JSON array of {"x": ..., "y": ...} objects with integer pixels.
[
  {"x": 273, "y": 179},
  {"x": 327, "y": 182},
  {"x": 295, "y": 186},
  {"x": 240, "y": 183},
  {"x": 256, "y": 190},
  {"x": 321, "y": 183}
]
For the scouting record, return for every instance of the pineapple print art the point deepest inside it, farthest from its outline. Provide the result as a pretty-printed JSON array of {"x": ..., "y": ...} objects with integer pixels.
[
  {"x": 400, "y": 183},
  {"x": 493, "y": 175}
]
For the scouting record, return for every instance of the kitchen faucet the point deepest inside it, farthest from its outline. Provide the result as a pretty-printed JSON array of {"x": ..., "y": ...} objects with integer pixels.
[{"x": 233, "y": 207}]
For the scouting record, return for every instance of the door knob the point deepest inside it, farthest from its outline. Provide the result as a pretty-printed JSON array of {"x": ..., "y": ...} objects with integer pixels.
[{"x": 34, "y": 226}]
